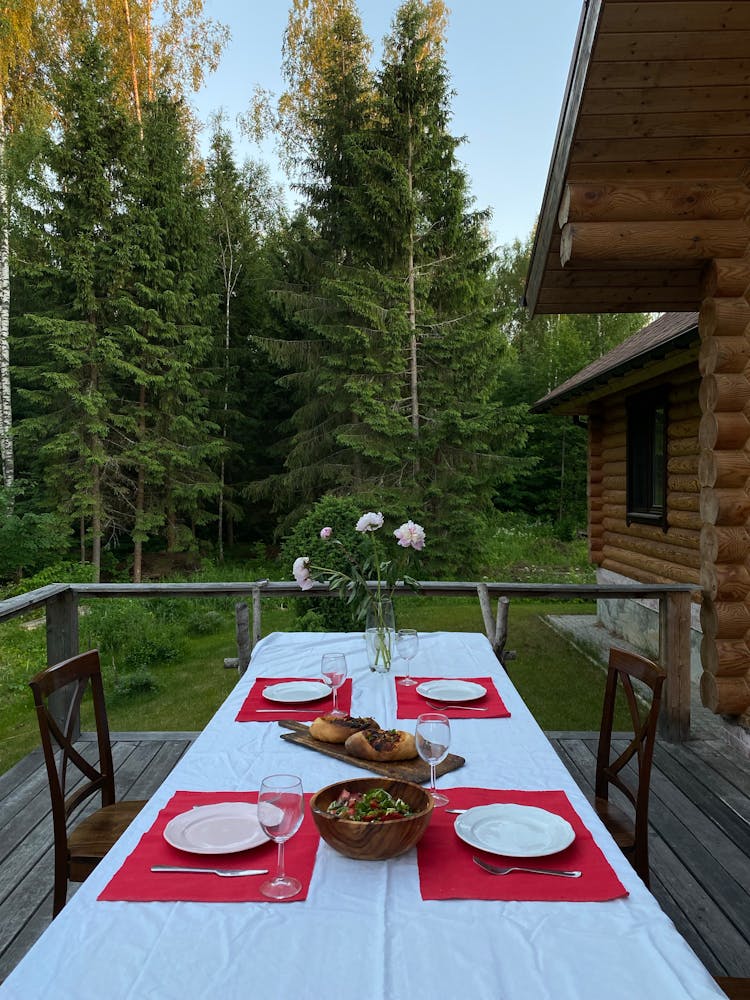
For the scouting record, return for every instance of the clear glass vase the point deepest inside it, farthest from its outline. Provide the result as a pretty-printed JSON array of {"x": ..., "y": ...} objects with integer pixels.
[{"x": 380, "y": 634}]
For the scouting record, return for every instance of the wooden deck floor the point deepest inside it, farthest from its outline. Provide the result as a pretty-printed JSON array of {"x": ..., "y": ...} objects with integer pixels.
[
  {"x": 142, "y": 761},
  {"x": 700, "y": 837},
  {"x": 699, "y": 841}
]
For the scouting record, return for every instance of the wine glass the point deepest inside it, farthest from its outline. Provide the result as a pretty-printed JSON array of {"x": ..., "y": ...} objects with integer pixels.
[
  {"x": 334, "y": 670},
  {"x": 433, "y": 737},
  {"x": 281, "y": 804},
  {"x": 407, "y": 644}
]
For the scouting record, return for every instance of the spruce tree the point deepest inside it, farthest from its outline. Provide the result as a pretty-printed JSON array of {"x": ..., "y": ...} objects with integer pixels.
[
  {"x": 435, "y": 248},
  {"x": 244, "y": 218},
  {"x": 167, "y": 439},
  {"x": 342, "y": 345},
  {"x": 72, "y": 342}
]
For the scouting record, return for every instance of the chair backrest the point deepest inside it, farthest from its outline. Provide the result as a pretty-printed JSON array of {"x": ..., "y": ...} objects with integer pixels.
[
  {"x": 79, "y": 673},
  {"x": 623, "y": 668}
]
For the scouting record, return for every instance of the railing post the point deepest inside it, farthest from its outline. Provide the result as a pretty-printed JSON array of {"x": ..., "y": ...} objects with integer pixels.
[
  {"x": 256, "y": 616},
  {"x": 61, "y": 614},
  {"x": 674, "y": 656},
  {"x": 496, "y": 629},
  {"x": 244, "y": 647}
]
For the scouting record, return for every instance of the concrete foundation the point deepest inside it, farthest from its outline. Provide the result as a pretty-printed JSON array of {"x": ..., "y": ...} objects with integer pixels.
[{"x": 637, "y": 622}]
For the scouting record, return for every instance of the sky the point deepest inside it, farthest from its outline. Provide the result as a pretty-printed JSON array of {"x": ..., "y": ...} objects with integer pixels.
[{"x": 508, "y": 64}]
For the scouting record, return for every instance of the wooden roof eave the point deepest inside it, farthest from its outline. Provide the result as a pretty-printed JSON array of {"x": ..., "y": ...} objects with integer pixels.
[
  {"x": 649, "y": 180},
  {"x": 557, "y": 175}
]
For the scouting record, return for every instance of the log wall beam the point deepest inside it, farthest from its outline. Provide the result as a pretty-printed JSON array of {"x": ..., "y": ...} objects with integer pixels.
[
  {"x": 724, "y": 474},
  {"x": 594, "y": 487},
  {"x": 653, "y": 201},
  {"x": 657, "y": 242},
  {"x": 728, "y": 278}
]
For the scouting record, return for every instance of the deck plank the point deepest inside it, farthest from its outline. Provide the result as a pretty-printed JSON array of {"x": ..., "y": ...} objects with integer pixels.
[
  {"x": 26, "y": 872},
  {"x": 699, "y": 841}
]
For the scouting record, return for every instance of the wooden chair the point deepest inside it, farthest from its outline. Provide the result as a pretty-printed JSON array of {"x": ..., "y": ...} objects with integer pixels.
[
  {"x": 629, "y": 832},
  {"x": 78, "y": 851},
  {"x": 735, "y": 989}
]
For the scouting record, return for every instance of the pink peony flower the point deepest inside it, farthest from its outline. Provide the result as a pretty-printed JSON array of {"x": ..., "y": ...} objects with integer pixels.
[
  {"x": 369, "y": 522},
  {"x": 326, "y": 532},
  {"x": 410, "y": 534},
  {"x": 301, "y": 571}
]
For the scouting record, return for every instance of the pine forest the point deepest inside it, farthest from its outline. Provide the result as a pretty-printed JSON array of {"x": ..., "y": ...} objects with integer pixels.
[{"x": 188, "y": 365}]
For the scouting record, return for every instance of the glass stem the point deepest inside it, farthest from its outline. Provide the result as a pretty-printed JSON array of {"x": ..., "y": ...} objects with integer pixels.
[
  {"x": 432, "y": 778},
  {"x": 335, "y": 699},
  {"x": 280, "y": 860}
]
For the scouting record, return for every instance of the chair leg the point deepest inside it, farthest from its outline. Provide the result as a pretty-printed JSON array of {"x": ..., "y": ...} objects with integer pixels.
[
  {"x": 641, "y": 865},
  {"x": 60, "y": 892},
  {"x": 59, "y": 897}
]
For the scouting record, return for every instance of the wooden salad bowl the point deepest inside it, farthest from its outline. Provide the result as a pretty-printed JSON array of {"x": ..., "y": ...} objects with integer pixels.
[{"x": 376, "y": 841}]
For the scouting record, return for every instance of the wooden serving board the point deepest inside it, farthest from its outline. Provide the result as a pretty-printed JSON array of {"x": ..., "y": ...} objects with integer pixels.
[{"x": 408, "y": 770}]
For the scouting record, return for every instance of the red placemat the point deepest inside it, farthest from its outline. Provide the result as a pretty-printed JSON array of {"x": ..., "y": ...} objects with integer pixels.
[
  {"x": 135, "y": 882},
  {"x": 256, "y": 708},
  {"x": 446, "y": 869},
  {"x": 410, "y": 705}
]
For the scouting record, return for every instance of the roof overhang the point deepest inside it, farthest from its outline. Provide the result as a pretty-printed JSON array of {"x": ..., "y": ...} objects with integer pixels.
[
  {"x": 628, "y": 366},
  {"x": 648, "y": 178}
]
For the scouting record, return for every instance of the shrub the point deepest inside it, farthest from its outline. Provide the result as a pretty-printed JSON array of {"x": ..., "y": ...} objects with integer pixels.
[
  {"x": 59, "y": 572},
  {"x": 202, "y": 621},
  {"x": 130, "y": 636},
  {"x": 341, "y": 514},
  {"x": 135, "y": 683},
  {"x": 525, "y": 550},
  {"x": 28, "y": 540}
]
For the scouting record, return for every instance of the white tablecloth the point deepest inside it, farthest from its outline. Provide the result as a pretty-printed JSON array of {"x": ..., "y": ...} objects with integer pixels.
[{"x": 364, "y": 932}]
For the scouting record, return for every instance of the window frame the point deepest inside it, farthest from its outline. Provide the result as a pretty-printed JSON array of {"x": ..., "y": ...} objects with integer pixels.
[{"x": 644, "y": 439}]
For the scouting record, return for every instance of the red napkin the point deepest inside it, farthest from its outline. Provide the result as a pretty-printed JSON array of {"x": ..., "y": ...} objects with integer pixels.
[
  {"x": 303, "y": 711},
  {"x": 446, "y": 869},
  {"x": 135, "y": 882},
  {"x": 410, "y": 704}
]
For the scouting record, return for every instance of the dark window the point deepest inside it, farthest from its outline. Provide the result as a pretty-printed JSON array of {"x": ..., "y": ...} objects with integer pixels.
[{"x": 647, "y": 459}]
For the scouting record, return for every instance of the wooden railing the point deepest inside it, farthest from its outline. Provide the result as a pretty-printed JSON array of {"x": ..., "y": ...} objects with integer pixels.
[{"x": 60, "y": 603}]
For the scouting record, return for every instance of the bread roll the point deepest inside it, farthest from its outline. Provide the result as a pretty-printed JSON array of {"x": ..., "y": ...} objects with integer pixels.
[
  {"x": 337, "y": 728},
  {"x": 382, "y": 744}
]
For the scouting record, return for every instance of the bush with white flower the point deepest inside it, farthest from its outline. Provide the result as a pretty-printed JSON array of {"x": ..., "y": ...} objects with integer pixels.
[{"x": 352, "y": 583}]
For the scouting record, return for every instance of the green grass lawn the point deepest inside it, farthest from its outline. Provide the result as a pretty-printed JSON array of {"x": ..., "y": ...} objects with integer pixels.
[
  {"x": 562, "y": 688},
  {"x": 175, "y": 649}
]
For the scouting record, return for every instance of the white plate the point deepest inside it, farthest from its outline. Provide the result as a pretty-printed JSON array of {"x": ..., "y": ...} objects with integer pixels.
[
  {"x": 451, "y": 690},
  {"x": 222, "y": 828},
  {"x": 290, "y": 691},
  {"x": 515, "y": 830}
]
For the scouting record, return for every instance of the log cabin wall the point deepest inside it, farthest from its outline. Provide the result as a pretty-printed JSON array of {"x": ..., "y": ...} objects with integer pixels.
[
  {"x": 647, "y": 209},
  {"x": 724, "y": 434},
  {"x": 645, "y": 552},
  {"x": 595, "y": 487}
]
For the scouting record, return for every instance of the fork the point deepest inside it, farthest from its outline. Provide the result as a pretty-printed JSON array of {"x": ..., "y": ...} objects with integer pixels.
[
  {"x": 494, "y": 870},
  {"x": 465, "y": 708},
  {"x": 224, "y": 872}
]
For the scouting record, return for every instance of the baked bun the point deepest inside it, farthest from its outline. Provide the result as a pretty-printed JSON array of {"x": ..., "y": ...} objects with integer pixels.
[
  {"x": 338, "y": 728},
  {"x": 382, "y": 744}
]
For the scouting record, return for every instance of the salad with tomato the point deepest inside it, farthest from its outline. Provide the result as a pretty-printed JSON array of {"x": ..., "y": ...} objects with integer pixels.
[{"x": 374, "y": 806}]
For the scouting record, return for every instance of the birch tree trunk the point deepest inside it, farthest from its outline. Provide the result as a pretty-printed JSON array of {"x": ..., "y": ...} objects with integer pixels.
[
  {"x": 230, "y": 273},
  {"x": 6, "y": 419},
  {"x": 133, "y": 64}
]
